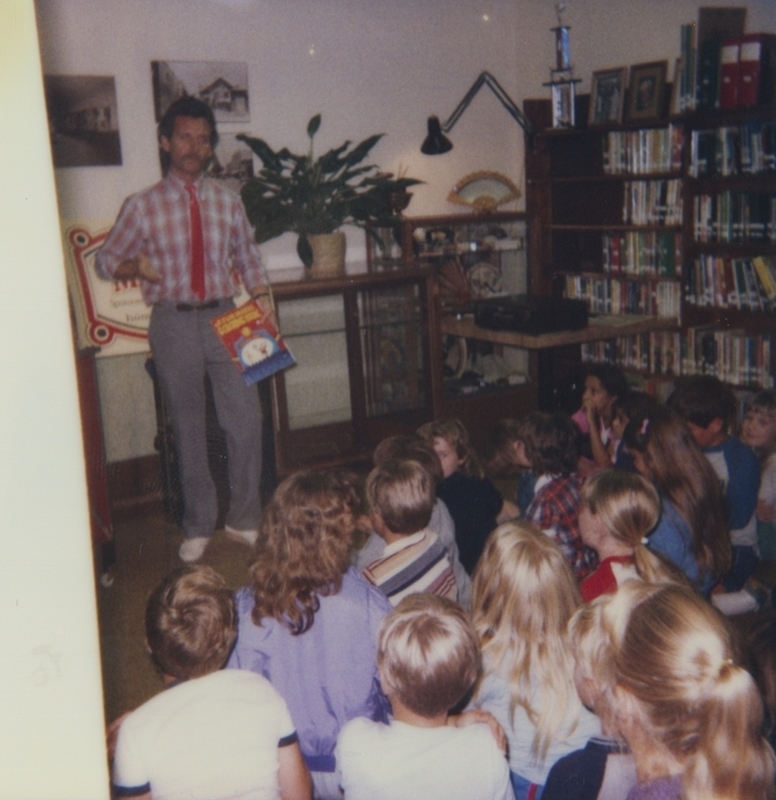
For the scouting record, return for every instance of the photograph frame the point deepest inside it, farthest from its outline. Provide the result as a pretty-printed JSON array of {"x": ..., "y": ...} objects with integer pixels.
[
  {"x": 607, "y": 96},
  {"x": 645, "y": 91}
]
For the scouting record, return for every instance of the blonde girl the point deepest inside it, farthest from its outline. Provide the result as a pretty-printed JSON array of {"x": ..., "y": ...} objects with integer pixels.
[
  {"x": 619, "y": 510},
  {"x": 523, "y": 597},
  {"x": 691, "y": 716}
]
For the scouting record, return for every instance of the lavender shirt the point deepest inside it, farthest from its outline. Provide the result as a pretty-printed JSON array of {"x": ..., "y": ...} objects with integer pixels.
[{"x": 327, "y": 675}]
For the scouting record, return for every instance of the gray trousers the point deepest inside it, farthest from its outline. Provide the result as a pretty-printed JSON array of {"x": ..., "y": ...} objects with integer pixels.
[{"x": 185, "y": 348}]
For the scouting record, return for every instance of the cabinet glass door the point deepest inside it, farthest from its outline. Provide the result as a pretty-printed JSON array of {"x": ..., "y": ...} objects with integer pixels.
[{"x": 318, "y": 387}]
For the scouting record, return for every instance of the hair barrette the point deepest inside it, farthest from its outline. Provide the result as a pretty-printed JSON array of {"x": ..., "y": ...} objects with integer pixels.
[
  {"x": 644, "y": 540},
  {"x": 644, "y": 426}
]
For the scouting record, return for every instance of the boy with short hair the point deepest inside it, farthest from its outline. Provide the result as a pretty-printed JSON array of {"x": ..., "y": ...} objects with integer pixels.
[
  {"x": 211, "y": 733},
  {"x": 708, "y": 408},
  {"x": 428, "y": 657},
  {"x": 401, "y": 497}
]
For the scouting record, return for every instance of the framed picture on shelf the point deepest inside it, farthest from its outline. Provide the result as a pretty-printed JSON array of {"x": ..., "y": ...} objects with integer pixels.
[
  {"x": 607, "y": 96},
  {"x": 645, "y": 91}
]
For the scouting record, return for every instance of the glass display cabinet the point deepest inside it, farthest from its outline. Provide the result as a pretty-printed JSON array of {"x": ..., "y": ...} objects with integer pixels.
[{"x": 364, "y": 350}]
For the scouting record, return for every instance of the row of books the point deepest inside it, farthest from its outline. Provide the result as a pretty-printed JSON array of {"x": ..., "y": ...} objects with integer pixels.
[
  {"x": 657, "y": 298},
  {"x": 652, "y": 202},
  {"x": 656, "y": 353},
  {"x": 723, "y": 282},
  {"x": 642, "y": 253},
  {"x": 735, "y": 217},
  {"x": 643, "y": 151},
  {"x": 749, "y": 148},
  {"x": 733, "y": 356}
]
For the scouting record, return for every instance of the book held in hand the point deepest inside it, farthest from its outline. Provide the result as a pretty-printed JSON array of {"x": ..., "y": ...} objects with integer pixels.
[{"x": 253, "y": 341}]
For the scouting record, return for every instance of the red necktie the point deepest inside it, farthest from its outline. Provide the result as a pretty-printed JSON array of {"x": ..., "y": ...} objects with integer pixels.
[{"x": 197, "y": 245}]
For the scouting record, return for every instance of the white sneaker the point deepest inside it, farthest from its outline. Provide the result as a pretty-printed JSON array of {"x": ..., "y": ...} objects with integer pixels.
[
  {"x": 244, "y": 537},
  {"x": 192, "y": 549}
]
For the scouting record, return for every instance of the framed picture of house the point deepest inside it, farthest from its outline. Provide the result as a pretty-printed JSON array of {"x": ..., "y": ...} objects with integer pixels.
[
  {"x": 607, "y": 96},
  {"x": 223, "y": 85}
]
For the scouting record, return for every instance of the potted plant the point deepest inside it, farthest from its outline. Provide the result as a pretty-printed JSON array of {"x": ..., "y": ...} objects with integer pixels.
[{"x": 314, "y": 197}]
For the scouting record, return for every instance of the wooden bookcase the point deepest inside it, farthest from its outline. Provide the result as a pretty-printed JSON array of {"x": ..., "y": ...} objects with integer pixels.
[{"x": 612, "y": 214}]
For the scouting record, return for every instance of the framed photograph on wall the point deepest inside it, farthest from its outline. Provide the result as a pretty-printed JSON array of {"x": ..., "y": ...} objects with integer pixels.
[
  {"x": 223, "y": 85},
  {"x": 607, "y": 96},
  {"x": 83, "y": 120},
  {"x": 645, "y": 91}
]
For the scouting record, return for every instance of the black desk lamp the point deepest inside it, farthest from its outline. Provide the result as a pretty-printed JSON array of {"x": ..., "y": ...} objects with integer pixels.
[{"x": 436, "y": 142}]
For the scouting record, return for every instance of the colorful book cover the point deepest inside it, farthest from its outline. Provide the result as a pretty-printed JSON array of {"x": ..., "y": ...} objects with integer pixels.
[{"x": 253, "y": 341}]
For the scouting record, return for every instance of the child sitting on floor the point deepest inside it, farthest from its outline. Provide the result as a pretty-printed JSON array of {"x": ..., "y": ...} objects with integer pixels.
[
  {"x": 211, "y": 733},
  {"x": 506, "y": 456},
  {"x": 414, "y": 448},
  {"x": 473, "y": 501},
  {"x": 691, "y": 715},
  {"x": 708, "y": 408},
  {"x": 308, "y": 621},
  {"x": 619, "y": 509},
  {"x": 550, "y": 446},
  {"x": 523, "y": 598},
  {"x": 604, "y": 386},
  {"x": 758, "y": 430},
  {"x": 401, "y": 496},
  {"x": 428, "y": 658},
  {"x": 604, "y": 768}
]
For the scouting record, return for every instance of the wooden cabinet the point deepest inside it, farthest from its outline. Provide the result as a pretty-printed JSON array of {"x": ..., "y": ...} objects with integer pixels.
[
  {"x": 366, "y": 349},
  {"x": 617, "y": 218}
]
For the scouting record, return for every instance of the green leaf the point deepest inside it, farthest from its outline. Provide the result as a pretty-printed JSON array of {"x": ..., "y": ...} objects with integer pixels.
[{"x": 313, "y": 125}]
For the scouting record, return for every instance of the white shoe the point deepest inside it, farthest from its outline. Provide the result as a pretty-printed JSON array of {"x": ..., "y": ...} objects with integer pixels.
[
  {"x": 192, "y": 549},
  {"x": 244, "y": 537}
]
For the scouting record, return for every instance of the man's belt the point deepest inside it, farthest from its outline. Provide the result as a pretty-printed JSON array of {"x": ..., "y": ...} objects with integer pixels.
[{"x": 197, "y": 306}]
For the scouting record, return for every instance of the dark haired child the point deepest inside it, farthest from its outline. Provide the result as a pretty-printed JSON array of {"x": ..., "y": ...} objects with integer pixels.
[
  {"x": 475, "y": 504},
  {"x": 550, "y": 446},
  {"x": 211, "y": 733},
  {"x": 758, "y": 430},
  {"x": 428, "y": 657},
  {"x": 692, "y": 531},
  {"x": 401, "y": 496},
  {"x": 604, "y": 385},
  {"x": 414, "y": 448},
  {"x": 708, "y": 408},
  {"x": 506, "y": 456}
]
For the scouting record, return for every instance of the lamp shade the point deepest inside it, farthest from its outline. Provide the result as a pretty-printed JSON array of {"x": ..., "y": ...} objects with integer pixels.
[{"x": 436, "y": 142}]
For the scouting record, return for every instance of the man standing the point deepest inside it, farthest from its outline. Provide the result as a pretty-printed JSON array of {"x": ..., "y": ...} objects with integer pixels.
[{"x": 182, "y": 239}]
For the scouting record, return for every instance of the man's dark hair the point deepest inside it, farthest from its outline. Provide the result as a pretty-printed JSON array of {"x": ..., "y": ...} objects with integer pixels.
[
  {"x": 188, "y": 106},
  {"x": 700, "y": 399}
]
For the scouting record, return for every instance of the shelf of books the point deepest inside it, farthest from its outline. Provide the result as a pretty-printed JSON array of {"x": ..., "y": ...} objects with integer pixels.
[{"x": 674, "y": 220}]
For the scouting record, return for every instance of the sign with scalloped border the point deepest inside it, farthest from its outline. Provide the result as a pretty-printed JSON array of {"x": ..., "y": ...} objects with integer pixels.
[{"x": 109, "y": 315}]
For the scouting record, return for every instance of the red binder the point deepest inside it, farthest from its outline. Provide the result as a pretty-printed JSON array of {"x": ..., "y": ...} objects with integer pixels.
[
  {"x": 729, "y": 67},
  {"x": 756, "y": 69}
]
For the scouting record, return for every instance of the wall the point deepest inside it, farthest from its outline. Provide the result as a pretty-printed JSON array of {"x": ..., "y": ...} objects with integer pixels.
[{"x": 368, "y": 66}]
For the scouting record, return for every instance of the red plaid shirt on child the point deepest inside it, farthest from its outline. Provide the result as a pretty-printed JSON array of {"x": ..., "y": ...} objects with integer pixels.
[
  {"x": 156, "y": 222},
  {"x": 555, "y": 509}
]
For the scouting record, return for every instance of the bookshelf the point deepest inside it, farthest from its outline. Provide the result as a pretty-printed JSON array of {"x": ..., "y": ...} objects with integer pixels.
[{"x": 670, "y": 220}]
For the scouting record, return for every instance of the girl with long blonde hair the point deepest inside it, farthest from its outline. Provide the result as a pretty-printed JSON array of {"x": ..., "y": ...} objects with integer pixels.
[
  {"x": 523, "y": 596},
  {"x": 619, "y": 510},
  {"x": 691, "y": 715}
]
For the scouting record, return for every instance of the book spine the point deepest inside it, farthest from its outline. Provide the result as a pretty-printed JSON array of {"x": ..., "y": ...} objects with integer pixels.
[
  {"x": 749, "y": 71},
  {"x": 728, "y": 90}
]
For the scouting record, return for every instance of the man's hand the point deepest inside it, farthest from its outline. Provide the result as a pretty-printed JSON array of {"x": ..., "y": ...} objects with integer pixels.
[
  {"x": 137, "y": 267},
  {"x": 475, "y": 716},
  {"x": 262, "y": 296}
]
